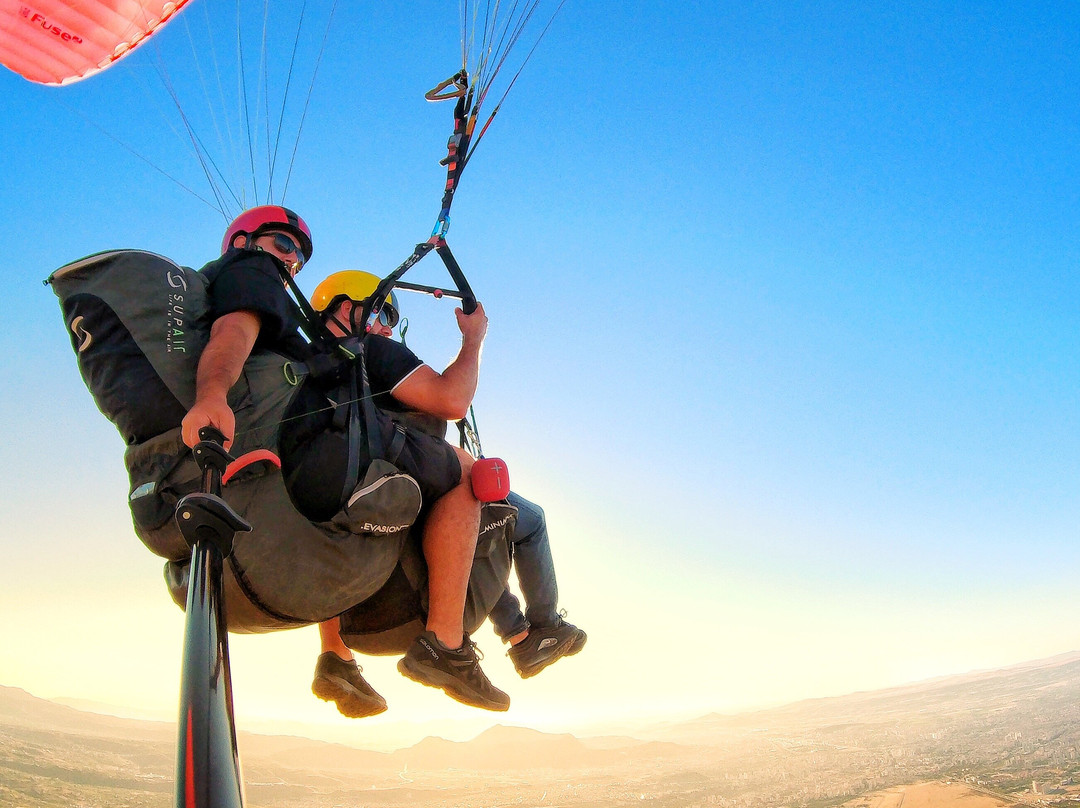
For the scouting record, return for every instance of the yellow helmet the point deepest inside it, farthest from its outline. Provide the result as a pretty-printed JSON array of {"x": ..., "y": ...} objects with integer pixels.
[{"x": 357, "y": 286}]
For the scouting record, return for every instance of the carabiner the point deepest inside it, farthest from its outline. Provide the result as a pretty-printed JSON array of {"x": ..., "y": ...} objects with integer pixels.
[{"x": 441, "y": 227}]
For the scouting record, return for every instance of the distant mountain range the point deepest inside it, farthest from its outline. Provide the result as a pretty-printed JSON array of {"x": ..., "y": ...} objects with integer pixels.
[
  {"x": 500, "y": 748},
  {"x": 1026, "y": 717},
  {"x": 1041, "y": 684}
]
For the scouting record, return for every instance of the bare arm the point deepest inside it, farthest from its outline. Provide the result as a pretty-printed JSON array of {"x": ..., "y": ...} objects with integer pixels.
[
  {"x": 449, "y": 394},
  {"x": 232, "y": 337}
]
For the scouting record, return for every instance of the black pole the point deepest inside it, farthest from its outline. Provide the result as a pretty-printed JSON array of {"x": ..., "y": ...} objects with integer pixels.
[
  {"x": 207, "y": 760},
  {"x": 208, "y": 763}
]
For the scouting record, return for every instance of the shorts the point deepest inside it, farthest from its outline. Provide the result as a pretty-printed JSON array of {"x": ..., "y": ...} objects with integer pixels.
[
  {"x": 315, "y": 467},
  {"x": 432, "y": 462}
]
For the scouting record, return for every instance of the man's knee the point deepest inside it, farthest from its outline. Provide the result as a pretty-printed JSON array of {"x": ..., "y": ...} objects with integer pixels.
[{"x": 531, "y": 520}]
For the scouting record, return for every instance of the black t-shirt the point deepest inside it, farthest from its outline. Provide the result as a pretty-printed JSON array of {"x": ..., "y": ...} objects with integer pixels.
[
  {"x": 250, "y": 280},
  {"x": 388, "y": 363},
  {"x": 314, "y": 451}
]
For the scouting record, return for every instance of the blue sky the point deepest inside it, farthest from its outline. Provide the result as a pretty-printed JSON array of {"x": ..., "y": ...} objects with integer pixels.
[{"x": 783, "y": 317}]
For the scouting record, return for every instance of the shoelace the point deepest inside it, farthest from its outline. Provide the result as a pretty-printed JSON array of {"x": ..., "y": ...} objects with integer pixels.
[{"x": 474, "y": 670}]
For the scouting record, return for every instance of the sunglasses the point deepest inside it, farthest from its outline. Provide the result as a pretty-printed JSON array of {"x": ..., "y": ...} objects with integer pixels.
[
  {"x": 388, "y": 315},
  {"x": 287, "y": 244}
]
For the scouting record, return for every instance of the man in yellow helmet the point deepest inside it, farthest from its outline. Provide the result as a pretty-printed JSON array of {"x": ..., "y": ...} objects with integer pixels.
[
  {"x": 314, "y": 456},
  {"x": 538, "y": 636}
]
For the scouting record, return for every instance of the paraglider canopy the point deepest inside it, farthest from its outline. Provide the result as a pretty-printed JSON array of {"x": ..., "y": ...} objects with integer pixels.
[{"x": 62, "y": 41}]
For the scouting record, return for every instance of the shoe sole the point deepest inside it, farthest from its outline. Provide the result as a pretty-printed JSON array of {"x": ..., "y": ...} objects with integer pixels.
[
  {"x": 448, "y": 684},
  {"x": 560, "y": 651},
  {"x": 350, "y": 702}
]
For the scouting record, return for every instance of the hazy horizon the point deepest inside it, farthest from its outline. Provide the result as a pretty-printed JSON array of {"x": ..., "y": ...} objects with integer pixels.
[{"x": 397, "y": 734}]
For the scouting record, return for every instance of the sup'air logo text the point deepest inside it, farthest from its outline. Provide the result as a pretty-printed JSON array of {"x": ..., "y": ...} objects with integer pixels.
[{"x": 176, "y": 323}]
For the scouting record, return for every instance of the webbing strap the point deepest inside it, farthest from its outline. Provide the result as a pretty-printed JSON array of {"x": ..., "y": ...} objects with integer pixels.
[
  {"x": 468, "y": 299},
  {"x": 362, "y": 426},
  {"x": 352, "y": 469},
  {"x": 367, "y": 402},
  {"x": 396, "y": 445},
  {"x": 310, "y": 322},
  {"x": 457, "y": 151}
]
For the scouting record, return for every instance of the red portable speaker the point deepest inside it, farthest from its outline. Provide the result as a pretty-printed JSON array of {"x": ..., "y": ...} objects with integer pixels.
[{"x": 490, "y": 479}]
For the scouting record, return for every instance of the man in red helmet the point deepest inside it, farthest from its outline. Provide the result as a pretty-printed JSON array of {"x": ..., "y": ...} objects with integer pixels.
[{"x": 251, "y": 309}]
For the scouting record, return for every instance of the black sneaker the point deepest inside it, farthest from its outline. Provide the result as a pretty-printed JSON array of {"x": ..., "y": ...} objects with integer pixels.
[
  {"x": 340, "y": 682},
  {"x": 457, "y": 673},
  {"x": 544, "y": 645}
]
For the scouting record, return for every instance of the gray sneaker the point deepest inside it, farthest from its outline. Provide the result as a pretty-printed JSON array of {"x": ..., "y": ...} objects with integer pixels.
[
  {"x": 340, "y": 682},
  {"x": 544, "y": 645},
  {"x": 456, "y": 672}
]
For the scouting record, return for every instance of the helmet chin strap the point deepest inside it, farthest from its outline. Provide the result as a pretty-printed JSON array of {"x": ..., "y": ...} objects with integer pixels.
[
  {"x": 249, "y": 244},
  {"x": 349, "y": 326}
]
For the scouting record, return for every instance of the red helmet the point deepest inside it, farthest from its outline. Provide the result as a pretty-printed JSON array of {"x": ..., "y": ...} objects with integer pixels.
[{"x": 269, "y": 217}]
